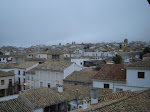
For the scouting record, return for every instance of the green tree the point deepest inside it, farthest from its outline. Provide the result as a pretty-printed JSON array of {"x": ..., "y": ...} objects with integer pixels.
[
  {"x": 117, "y": 59},
  {"x": 46, "y": 49},
  {"x": 1, "y": 53},
  {"x": 98, "y": 67},
  {"x": 145, "y": 51}
]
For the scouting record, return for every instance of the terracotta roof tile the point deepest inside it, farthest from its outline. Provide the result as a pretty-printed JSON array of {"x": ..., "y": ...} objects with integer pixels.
[
  {"x": 108, "y": 59},
  {"x": 50, "y": 52},
  {"x": 6, "y": 74},
  {"x": 83, "y": 91},
  {"x": 35, "y": 59},
  {"x": 32, "y": 71},
  {"x": 81, "y": 76},
  {"x": 114, "y": 72},
  {"x": 8, "y": 66},
  {"x": 14, "y": 105},
  {"x": 26, "y": 64},
  {"x": 111, "y": 103},
  {"x": 54, "y": 65},
  {"x": 41, "y": 97},
  {"x": 135, "y": 103},
  {"x": 141, "y": 64}
]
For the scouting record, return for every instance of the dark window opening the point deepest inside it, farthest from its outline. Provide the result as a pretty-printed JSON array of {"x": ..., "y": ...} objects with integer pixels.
[
  {"x": 2, "y": 82},
  {"x": 19, "y": 80},
  {"x": 24, "y": 80},
  {"x": 140, "y": 74},
  {"x": 106, "y": 85},
  {"x": 75, "y": 84},
  {"x": 10, "y": 82},
  {"x": 55, "y": 56},
  {"x": 49, "y": 85},
  {"x": 24, "y": 72},
  {"x": 19, "y": 72}
]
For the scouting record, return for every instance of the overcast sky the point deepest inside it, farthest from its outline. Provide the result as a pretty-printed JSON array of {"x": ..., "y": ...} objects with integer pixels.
[{"x": 31, "y": 22}]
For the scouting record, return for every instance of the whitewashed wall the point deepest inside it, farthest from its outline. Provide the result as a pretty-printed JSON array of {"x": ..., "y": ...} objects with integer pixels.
[
  {"x": 71, "y": 68},
  {"x": 46, "y": 77},
  {"x": 132, "y": 83},
  {"x": 6, "y": 81},
  {"x": 22, "y": 77},
  {"x": 38, "y": 110},
  {"x": 42, "y": 56},
  {"x": 132, "y": 78},
  {"x": 79, "y": 61}
]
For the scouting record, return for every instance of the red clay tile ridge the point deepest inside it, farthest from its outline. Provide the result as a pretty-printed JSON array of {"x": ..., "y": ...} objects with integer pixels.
[{"x": 115, "y": 72}]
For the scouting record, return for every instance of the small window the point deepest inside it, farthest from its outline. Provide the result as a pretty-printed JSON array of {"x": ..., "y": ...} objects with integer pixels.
[
  {"x": 140, "y": 74},
  {"x": 49, "y": 85},
  {"x": 32, "y": 78},
  {"x": 24, "y": 80},
  {"x": 57, "y": 77},
  {"x": 24, "y": 72},
  {"x": 106, "y": 85},
  {"x": 10, "y": 80},
  {"x": 41, "y": 84},
  {"x": 2, "y": 82},
  {"x": 49, "y": 75},
  {"x": 18, "y": 72}
]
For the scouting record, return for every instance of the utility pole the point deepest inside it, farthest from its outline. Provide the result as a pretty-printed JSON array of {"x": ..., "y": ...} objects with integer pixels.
[{"x": 77, "y": 97}]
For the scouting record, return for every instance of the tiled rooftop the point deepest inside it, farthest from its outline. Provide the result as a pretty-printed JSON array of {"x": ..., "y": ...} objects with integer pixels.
[
  {"x": 54, "y": 65},
  {"x": 32, "y": 71},
  {"x": 139, "y": 102},
  {"x": 41, "y": 97},
  {"x": 8, "y": 66},
  {"x": 14, "y": 105},
  {"x": 50, "y": 52},
  {"x": 83, "y": 91},
  {"x": 26, "y": 64},
  {"x": 81, "y": 76},
  {"x": 114, "y": 72},
  {"x": 35, "y": 59},
  {"x": 115, "y": 96},
  {"x": 6, "y": 74},
  {"x": 108, "y": 59},
  {"x": 107, "y": 103},
  {"x": 146, "y": 55},
  {"x": 141, "y": 64}
]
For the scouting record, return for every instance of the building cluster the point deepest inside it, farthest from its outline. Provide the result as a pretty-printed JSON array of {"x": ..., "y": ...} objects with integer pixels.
[{"x": 75, "y": 77}]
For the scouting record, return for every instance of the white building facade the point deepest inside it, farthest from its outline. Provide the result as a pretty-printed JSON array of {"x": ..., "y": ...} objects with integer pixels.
[
  {"x": 52, "y": 78},
  {"x": 137, "y": 78},
  {"x": 20, "y": 73}
]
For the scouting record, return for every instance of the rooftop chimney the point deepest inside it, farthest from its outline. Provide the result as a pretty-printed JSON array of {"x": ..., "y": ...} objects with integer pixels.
[
  {"x": 94, "y": 95},
  {"x": 60, "y": 88}
]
